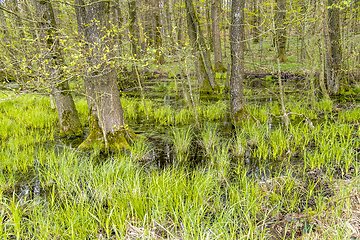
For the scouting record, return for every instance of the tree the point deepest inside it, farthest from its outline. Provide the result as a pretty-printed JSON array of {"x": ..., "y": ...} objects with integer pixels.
[
  {"x": 334, "y": 61},
  {"x": 68, "y": 116},
  {"x": 158, "y": 40},
  {"x": 280, "y": 30},
  {"x": 215, "y": 8},
  {"x": 237, "y": 99},
  {"x": 132, "y": 27},
  {"x": 204, "y": 70},
  {"x": 107, "y": 126}
]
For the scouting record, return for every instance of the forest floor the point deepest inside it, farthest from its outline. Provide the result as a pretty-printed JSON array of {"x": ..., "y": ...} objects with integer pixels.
[{"x": 261, "y": 180}]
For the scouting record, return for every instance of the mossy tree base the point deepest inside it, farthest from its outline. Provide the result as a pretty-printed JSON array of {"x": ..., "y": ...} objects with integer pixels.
[
  {"x": 206, "y": 86},
  {"x": 70, "y": 122},
  {"x": 241, "y": 115},
  {"x": 219, "y": 67},
  {"x": 71, "y": 133},
  {"x": 117, "y": 141}
]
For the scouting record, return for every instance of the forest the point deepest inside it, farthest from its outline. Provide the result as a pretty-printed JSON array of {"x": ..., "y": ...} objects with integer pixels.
[{"x": 179, "y": 119}]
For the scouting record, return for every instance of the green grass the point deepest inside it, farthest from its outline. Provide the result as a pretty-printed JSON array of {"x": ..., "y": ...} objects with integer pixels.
[
  {"x": 259, "y": 179},
  {"x": 182, "y": 139}
]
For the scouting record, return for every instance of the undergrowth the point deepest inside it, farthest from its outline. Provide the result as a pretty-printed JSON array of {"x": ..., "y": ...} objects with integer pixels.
[{"x": 262, "y": 181}]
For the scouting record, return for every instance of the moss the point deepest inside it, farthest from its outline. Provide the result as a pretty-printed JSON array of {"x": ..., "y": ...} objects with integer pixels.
[
  {"x": 241, "y": 115},
  {"x": 300, "y": 73},
  {"x": 206, "y": 86},
  {"x": 116, "y": 141},
  {"x": 68, "y": 127},
  {"x": 219, "y": 67},
  {"x": 95, "y": 134}
]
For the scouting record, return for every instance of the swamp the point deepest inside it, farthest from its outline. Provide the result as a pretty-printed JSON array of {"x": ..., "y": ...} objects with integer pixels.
[{"x": 179, "y": 119}]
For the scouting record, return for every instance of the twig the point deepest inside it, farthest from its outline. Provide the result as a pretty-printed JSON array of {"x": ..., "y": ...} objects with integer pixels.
[{"x": 298, "y": 114}]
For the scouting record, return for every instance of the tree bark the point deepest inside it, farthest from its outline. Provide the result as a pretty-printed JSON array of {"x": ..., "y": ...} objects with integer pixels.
[
  {"x": 117, "y": 20},
  {"x": 237, "y": 99},
  {"x": 255, "y": 21},
  {"x": 107, "y": 126},
  {"x": 205, "y": 71},
  {"x": 172, "y": 31},
  {"x": 209, "y": 31},
  {"x": 132, "y": 27},
  {"x": 335, "y": 42},
  {"x": 259, "y": 3},
  {"x": 280, "y": 30},
  {"x": 160, "y": 59},
  {"x": 67, "y": 113},
  {"x": 215, "y": 8}
]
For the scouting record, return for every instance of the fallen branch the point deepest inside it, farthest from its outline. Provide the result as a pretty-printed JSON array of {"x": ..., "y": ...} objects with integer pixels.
[{"x": 297, "y": 114}]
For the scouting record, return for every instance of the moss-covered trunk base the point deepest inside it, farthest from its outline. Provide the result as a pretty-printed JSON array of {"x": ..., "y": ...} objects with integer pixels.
[
  {"x": 239, "y": 116},
  {"x": 219, "y": 67},
  {"x": 117, "y": 141},
  {"x": 70, "y": 124}
]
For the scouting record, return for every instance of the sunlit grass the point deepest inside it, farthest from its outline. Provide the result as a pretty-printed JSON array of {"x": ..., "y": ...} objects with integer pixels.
[
  {"x": 246, "y": 184},
  {"x": 182, "y": 139}
]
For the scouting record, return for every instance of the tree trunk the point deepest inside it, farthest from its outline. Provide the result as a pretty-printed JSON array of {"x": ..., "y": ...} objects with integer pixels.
[
  {"x": 107, "y": 126},
  {"x": 355, "y": 25},
  {"x": 172, "y": 31},
  {"x": 132, "y": 27},
  {"x": 280, "y": 30},
  {"x": 320, "y": 45},
  {"x": 117, "y": 20},
  {"x": 303, "y": 31},
  {"x": 147, "y": 17},
  {"x": 334, "y": 35},
  {"x": 180, "y": 27},
  {"x": 5, "y": 34},
  {"x": 205, "y": 71},
  {"x": 67, "y": 113},
  {"x": 327, "y": 50},
  {"x": 259, "y": 3},
  {"x": 215, "y": 8},
  {"x": 237, "y": 99},
  {"x": 160, "y": 59},
  {"x": 208, "y": 24},
  {"x": 255, "y": 21},
  {"x": 282, "y": 100}
]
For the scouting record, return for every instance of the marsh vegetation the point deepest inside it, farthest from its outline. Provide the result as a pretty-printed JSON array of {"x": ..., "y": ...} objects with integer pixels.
[
  {"x": 259, "y": 180},
  {"x": 179, "y": 119}
]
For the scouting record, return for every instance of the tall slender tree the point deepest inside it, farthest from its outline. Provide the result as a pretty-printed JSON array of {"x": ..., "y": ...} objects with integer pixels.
[
  {"x": 203, "y": 64},
  {"x": 158, "y": 39},
  {"x": 133, "y": 27},
  {"x": 334, "y": 61},
  {"x": 280, "y": 17},
  {"x": 215, "y": 18},
  {"x": 237, "y": 99},
  {"x": 53, "y": 58}
]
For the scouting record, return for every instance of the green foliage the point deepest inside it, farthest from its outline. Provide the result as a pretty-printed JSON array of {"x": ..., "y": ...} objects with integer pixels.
[
  {"x": 210, "y": 138},
  {"x": 182, "y": 139},
  {"x": 325, "y": 105}
]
